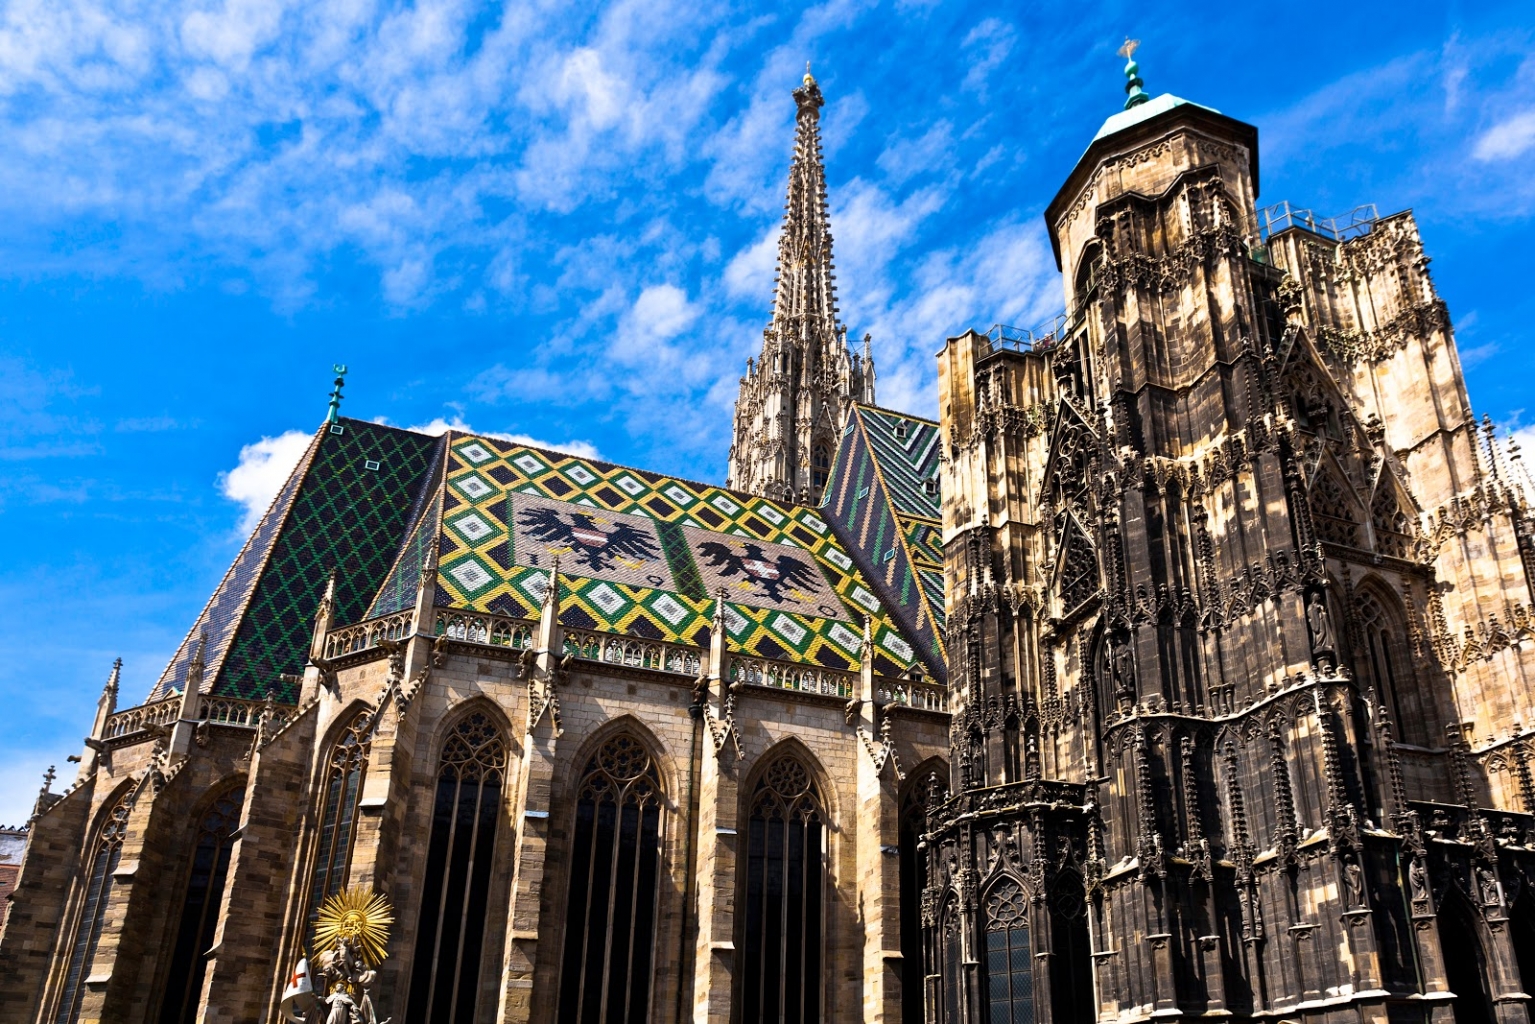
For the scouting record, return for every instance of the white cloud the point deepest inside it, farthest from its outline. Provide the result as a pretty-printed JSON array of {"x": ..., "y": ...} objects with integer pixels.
[
  {"x": 1512, "y": 137},
  {"x": 439, "y": 425},
  {"x": 263, "y": 468},
  {"x": 750, "y": 272}
]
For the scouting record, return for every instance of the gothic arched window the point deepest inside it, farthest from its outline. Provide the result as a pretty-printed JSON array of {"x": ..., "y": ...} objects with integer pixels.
[
  {"x": 913, "y": 824},
  {"x": 93, "y": 909},
  {"x": 820, "y": 468},
  {"x": 445, "y": 978},
  {"x": 614, "y": 883},
  {"x": 200, "y": 908},
  {"x": 1385, "y": 663},
  {"x": 343, "y": 789},
  {"x": 1009, "y": 962},
  {"x": 785, "y": 880},
  {"x": 951, "y": 948}
]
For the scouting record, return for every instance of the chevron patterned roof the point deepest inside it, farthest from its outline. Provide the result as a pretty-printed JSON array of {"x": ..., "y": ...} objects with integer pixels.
[{"x": 882, "y": 500}]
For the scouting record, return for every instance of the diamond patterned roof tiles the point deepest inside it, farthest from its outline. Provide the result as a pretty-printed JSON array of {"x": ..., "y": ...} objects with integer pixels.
[
  {"x": 645, "y": 554},
  {"x": 333, "y": 514}
]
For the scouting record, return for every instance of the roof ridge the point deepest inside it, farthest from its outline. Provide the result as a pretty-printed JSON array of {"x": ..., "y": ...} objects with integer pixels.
[
  {"x": 210, "y": 677},
  {"x": 896, "y": 412}
]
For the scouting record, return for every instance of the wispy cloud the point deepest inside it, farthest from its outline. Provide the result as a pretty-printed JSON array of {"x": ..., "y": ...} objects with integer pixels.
[{"x": 1512, "y": 137}]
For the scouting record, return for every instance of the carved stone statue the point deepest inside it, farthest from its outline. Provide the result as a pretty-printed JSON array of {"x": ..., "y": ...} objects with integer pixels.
[
  {"x": 1123, "y": 659},
  {"x": 1353, "y": 877},
  {"x": 1417, "y": 878},
  {"x": 1320, "y": 621}
]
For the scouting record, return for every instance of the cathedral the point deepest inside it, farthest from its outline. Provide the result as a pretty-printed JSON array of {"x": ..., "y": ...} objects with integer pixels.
[{"x": 1178, "y": 668}]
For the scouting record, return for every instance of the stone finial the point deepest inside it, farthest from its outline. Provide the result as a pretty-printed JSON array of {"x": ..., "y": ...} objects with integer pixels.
[{"x": 324, "y": 616}]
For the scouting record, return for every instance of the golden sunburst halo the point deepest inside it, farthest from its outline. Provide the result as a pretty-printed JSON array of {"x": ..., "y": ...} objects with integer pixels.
[{"x": 358, "y": 914}]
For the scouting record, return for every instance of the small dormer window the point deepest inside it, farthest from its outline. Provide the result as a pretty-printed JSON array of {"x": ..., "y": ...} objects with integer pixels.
[
  {"x": 930, "y": 485},
  {"x": 900, "y": 429}
]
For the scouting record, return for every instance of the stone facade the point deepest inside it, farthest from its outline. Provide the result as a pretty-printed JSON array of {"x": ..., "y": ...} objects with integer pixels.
[{"x": 1178, "y": 670}]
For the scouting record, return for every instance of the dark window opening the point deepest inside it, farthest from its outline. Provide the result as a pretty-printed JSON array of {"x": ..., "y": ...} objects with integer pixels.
[
  {"x": 785, "y": 878},
  {"x": 1009, "y": 961},
  {"x": 614, "y": 884},
  {"x": 343, "y": 789},
  {"x": 200, "y": 909},
  {"x": 820, "y": 468},
  {"x": 93, "y": 911},
  {"x": 913, "y": 881},
  {"x": 445, "y": 976}
]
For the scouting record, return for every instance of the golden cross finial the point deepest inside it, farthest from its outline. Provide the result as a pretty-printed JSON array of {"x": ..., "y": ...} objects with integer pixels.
[
  {"x": 1127, "y": 51},
  {"x": 809, "y": 78}
]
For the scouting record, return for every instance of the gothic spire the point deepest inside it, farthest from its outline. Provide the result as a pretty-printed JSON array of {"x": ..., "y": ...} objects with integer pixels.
[
  {"x": 795, "y": 396},
  {"x": 805, "y": 298}
]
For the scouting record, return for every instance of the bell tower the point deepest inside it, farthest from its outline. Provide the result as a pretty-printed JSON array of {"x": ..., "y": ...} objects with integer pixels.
[{"x": 794, "y": 396}]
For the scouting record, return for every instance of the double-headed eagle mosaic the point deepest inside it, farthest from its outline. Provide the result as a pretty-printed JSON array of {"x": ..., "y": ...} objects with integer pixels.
[
  {"x": 770, "y": 576},
  {"x": 593, "y": 546}
]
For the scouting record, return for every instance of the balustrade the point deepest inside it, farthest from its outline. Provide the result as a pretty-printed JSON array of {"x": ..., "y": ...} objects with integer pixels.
[
  {"x": 233, "y": 711},
  {"x": 368, "y": 634},
  {"x": 805, "y": 678}
]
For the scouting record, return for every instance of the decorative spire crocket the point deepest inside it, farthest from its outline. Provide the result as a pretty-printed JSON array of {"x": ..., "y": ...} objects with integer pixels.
[{"x": 795, "y": 396}]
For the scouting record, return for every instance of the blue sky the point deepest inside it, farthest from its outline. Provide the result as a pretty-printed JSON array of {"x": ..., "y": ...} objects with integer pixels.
[{"x": 558, "y": 224}]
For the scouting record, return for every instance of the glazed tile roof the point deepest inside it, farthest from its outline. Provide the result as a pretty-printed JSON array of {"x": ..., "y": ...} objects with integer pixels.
[
  {"x": 334, "y": 514},
  {"x": 881, "y": 504},
  {"x": 645, "y": 554}
]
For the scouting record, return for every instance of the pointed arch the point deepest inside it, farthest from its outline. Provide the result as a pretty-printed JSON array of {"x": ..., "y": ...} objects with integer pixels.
[
  {"x": 202, "y": 894},
  {"x": 339, "y": 784},
  {"x": 467, "y": 814},
  {"x": 615, "y": 880},
  {"x": 784, "y": 888},
  {"x": 1466, "y": 966},
  {"x": 951, "y": 949},
  {"x": 1071, "y": 969},
  {"x": 1392, "y": 517},
  {"x": 928, "y": 779},
  {"x": 1383, "y": 660},
  {"x": 1009, "y": 952},
  {"x": 1336, "y": 511},
  {"x": 95, "y": 897}
]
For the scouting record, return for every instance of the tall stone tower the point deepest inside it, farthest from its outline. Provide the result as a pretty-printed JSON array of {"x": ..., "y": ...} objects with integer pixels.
[
  {"x": 795, "y": 395},
  {"x": 1234, "y": 608}
]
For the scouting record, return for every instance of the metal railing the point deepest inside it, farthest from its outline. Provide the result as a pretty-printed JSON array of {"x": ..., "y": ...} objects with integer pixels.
[{"x": 1282, "y": 216}]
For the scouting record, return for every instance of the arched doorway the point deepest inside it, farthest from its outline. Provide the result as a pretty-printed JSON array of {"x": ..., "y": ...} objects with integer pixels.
[{"x": 1465, "y": 962}]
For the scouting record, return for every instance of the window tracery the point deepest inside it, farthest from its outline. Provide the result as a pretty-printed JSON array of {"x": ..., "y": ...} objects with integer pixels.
[
  {"x": 614, "y": 887},
  {"x": 450, "y": 937},
  {"x": 785, "y": 882},
  {"x": 93, "y": 909},
  {"x": 1385, "y": 664},
  {"x": 344, "y": 773},
  {"x": 200, "y": 908},
  {"x": 1009, "y": 961}
]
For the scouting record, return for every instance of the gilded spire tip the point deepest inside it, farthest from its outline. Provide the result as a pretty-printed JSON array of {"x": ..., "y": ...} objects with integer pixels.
[{"x": 809, "y": 79}]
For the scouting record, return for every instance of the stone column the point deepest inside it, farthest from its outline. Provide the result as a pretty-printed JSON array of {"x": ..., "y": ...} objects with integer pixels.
[
  {"x": 877, "y": 845},
  {"x": 543, "y": 667},
  {"x": 718, "y": 841}
]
